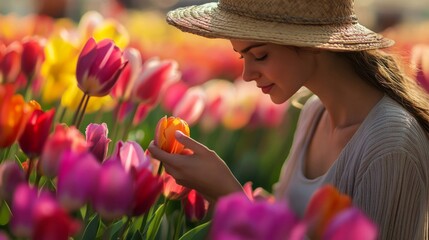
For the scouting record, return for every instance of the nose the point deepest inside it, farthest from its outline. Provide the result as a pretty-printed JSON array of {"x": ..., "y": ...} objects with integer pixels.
[{"x": 249, "y": 73}]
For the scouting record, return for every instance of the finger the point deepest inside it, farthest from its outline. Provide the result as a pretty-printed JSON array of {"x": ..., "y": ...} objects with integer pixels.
[
  {"x": 190, "y": 143},
  {"x": 160, "y": 154}
]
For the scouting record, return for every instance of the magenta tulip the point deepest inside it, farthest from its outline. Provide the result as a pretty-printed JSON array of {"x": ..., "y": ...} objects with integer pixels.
[
  {"x": 23, "y": 203},
  {"x": 98, "y": 142},
  {"x": 11, "y": 176},
  {"x": 114, "y": 193},
  {"x": 351, "y": 224},
  {"x": 236, "y": 217},
  {"x": 148, "y": 188},
  {"x": 36, "y": 133},
  {"x": 99, "y": 66},
  {"x": 77, "y": 179},
  {"x": 195, "y": 206}
]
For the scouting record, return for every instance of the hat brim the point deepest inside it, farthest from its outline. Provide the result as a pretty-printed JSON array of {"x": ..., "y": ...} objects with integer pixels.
[{"x": 209, "y": 21}]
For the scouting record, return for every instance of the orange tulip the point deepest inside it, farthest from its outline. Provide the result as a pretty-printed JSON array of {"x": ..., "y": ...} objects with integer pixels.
[
  {"x": 164, "y": 134},
  {"x": 324, "y": 205},
  {"x": 14, "y": 114}
]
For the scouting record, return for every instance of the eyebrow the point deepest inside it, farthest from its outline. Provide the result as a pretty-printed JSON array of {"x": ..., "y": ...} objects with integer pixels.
[{"x": 245, "y": 50}]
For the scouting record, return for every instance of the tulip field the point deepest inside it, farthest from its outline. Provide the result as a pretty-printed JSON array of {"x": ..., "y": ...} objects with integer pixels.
[{"x": 81, "y": 101}]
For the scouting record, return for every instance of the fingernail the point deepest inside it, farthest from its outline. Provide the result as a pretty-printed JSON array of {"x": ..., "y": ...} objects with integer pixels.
[{"x": 178, "y": 134}]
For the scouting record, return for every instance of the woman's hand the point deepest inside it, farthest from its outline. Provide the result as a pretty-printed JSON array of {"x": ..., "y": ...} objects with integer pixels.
[{"x": 198, "y": 168}]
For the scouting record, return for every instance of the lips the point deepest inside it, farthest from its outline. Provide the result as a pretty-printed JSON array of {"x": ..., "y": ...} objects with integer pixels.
[{"x": 267, "y": 88}]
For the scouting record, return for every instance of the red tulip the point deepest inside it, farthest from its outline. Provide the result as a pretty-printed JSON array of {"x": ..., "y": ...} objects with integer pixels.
[
  {"x": 36, "y": 132},
  {"x": 171, "y": 189},
  {"x": 10, "y": 64},
  {"x": 195, "y": 206},
  {"x": 147, "y": 189},
  {"x": 99, "y": 66},
  {"x": 32, "y": 56},
  {"x": 191, "y": 106}
]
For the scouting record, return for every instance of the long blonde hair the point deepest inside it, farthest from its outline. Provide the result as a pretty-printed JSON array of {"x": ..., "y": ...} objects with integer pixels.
[{"x": 381, "y": 70}]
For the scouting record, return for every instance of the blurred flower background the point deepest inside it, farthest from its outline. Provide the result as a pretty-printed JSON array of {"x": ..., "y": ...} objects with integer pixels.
[{"x": 83, "y": 86}]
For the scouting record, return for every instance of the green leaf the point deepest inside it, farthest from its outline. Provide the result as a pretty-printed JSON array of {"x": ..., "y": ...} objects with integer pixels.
[
  {"x": 4, "y": 213},
  {"x": 199, "y": 232},
  {"x": 155, "y": 222},
  {"x": 91, "y": 230},
  {"x": 137, "y": 235}
]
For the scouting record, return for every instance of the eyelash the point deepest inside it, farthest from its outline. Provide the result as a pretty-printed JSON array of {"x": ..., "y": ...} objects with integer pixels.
[{"x": 257, "y": 59}]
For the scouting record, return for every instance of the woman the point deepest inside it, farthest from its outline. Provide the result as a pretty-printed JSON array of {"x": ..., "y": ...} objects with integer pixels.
[{"x": 365, "y": 129}]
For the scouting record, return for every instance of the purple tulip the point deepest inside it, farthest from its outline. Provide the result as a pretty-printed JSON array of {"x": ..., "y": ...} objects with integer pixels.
[
  {"x": 98, "y": 67},
  {"x": 11, "y": 175},
  {"x": 351, "y": 224},
  {"x": 77, "y": 179},
  {"x": 236, "y": 217},
  {"x": 23, "y": 203},
  {"x": 114, "y": 193},
  {"x": 98, "y": 142}
]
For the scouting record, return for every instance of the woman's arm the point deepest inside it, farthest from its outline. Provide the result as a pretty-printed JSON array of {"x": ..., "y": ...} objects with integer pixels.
[{"x": 200, "y": 169}]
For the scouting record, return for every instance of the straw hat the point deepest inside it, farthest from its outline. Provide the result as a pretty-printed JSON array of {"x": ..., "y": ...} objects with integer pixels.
[{"x": 327, "y": 24}]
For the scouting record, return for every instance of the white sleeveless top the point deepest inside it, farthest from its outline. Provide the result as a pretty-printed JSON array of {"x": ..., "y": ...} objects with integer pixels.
[{"x": 384, "y": 168}]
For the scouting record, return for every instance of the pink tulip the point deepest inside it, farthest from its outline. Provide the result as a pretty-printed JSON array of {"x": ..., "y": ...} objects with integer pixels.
[
  {"x": 171, "y": 189},
  {"x": 97, "y": 140},
  {"x": 236, "y": 217},
  {"x": 10, "y": 64},
  {"x": 128, "y": 77},
  {"x": 11, "y": 176},
  {"x": 132, "y": 156},
  {"x": 36, "y": 132},
  {"x": 351, "y": 224},
  {"x": 148, "y": 188},
  {"x": 155, "y": 76},
  {"x": 23, "y": 204},
  {"x": 173, "y": 94},
  {"x": 195, "y": 206},
  {"x": 191, "y": 106},
  {"x": 3, "y": 236},
  {"x": 99, "y": 66},
  {"x": 77, "y": 179},
  {"x": 32, "y": 56},
  {"x": 63, "y": 139},
  {"x": 113, "y": 196}
]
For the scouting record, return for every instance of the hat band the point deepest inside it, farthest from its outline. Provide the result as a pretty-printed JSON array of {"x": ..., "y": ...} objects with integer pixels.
[{"x": 289, "y": 19}]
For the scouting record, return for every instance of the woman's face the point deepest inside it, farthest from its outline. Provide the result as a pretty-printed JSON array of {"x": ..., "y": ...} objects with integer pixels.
[{"x": 278, "y": 70}]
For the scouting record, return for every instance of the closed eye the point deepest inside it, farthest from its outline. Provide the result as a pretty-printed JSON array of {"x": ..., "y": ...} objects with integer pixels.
[{"x": 261, "y": 58}]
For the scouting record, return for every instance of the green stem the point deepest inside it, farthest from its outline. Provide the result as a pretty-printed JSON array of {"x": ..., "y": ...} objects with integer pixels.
[
  {"x": 177, "y": 231},
  {"x": 27, "y": 91},
  {"x": 62, "y": 114},
  {"x": 76, "y": 114},
  {"x": 124, "y": 228},
  {"x": 86, "y": 96},
  {"x": 130, "y": 123},
  {"x": 30, "y": 169}
]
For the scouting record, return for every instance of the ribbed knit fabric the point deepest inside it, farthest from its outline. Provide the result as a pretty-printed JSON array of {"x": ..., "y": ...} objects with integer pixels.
[{"x": 384, "y": 168}]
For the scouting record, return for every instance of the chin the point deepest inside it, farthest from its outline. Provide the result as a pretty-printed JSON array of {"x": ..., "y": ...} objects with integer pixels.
[{"x": 278, "y": 100}]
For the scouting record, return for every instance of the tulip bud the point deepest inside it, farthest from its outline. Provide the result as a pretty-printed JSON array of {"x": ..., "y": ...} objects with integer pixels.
[
  {"x": 132, "y": 156},
  {"x": 191, "y": 106},
  {"x": 171, "y": 189},
  {"x": 10, "y": 64},
  {"x": 165, "y": 134},
  {"x": 99, "y": 66},
  {"x": 98, "y": 142},
  {"x": 36, "y": 132},
  {"x": 32, "y": 56},
  {"x": 195, "y": 206},
  {"x": 11, "y": 175}
]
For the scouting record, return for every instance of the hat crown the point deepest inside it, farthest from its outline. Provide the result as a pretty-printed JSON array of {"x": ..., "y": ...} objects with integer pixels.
[{"x": 293, "y": 11}]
